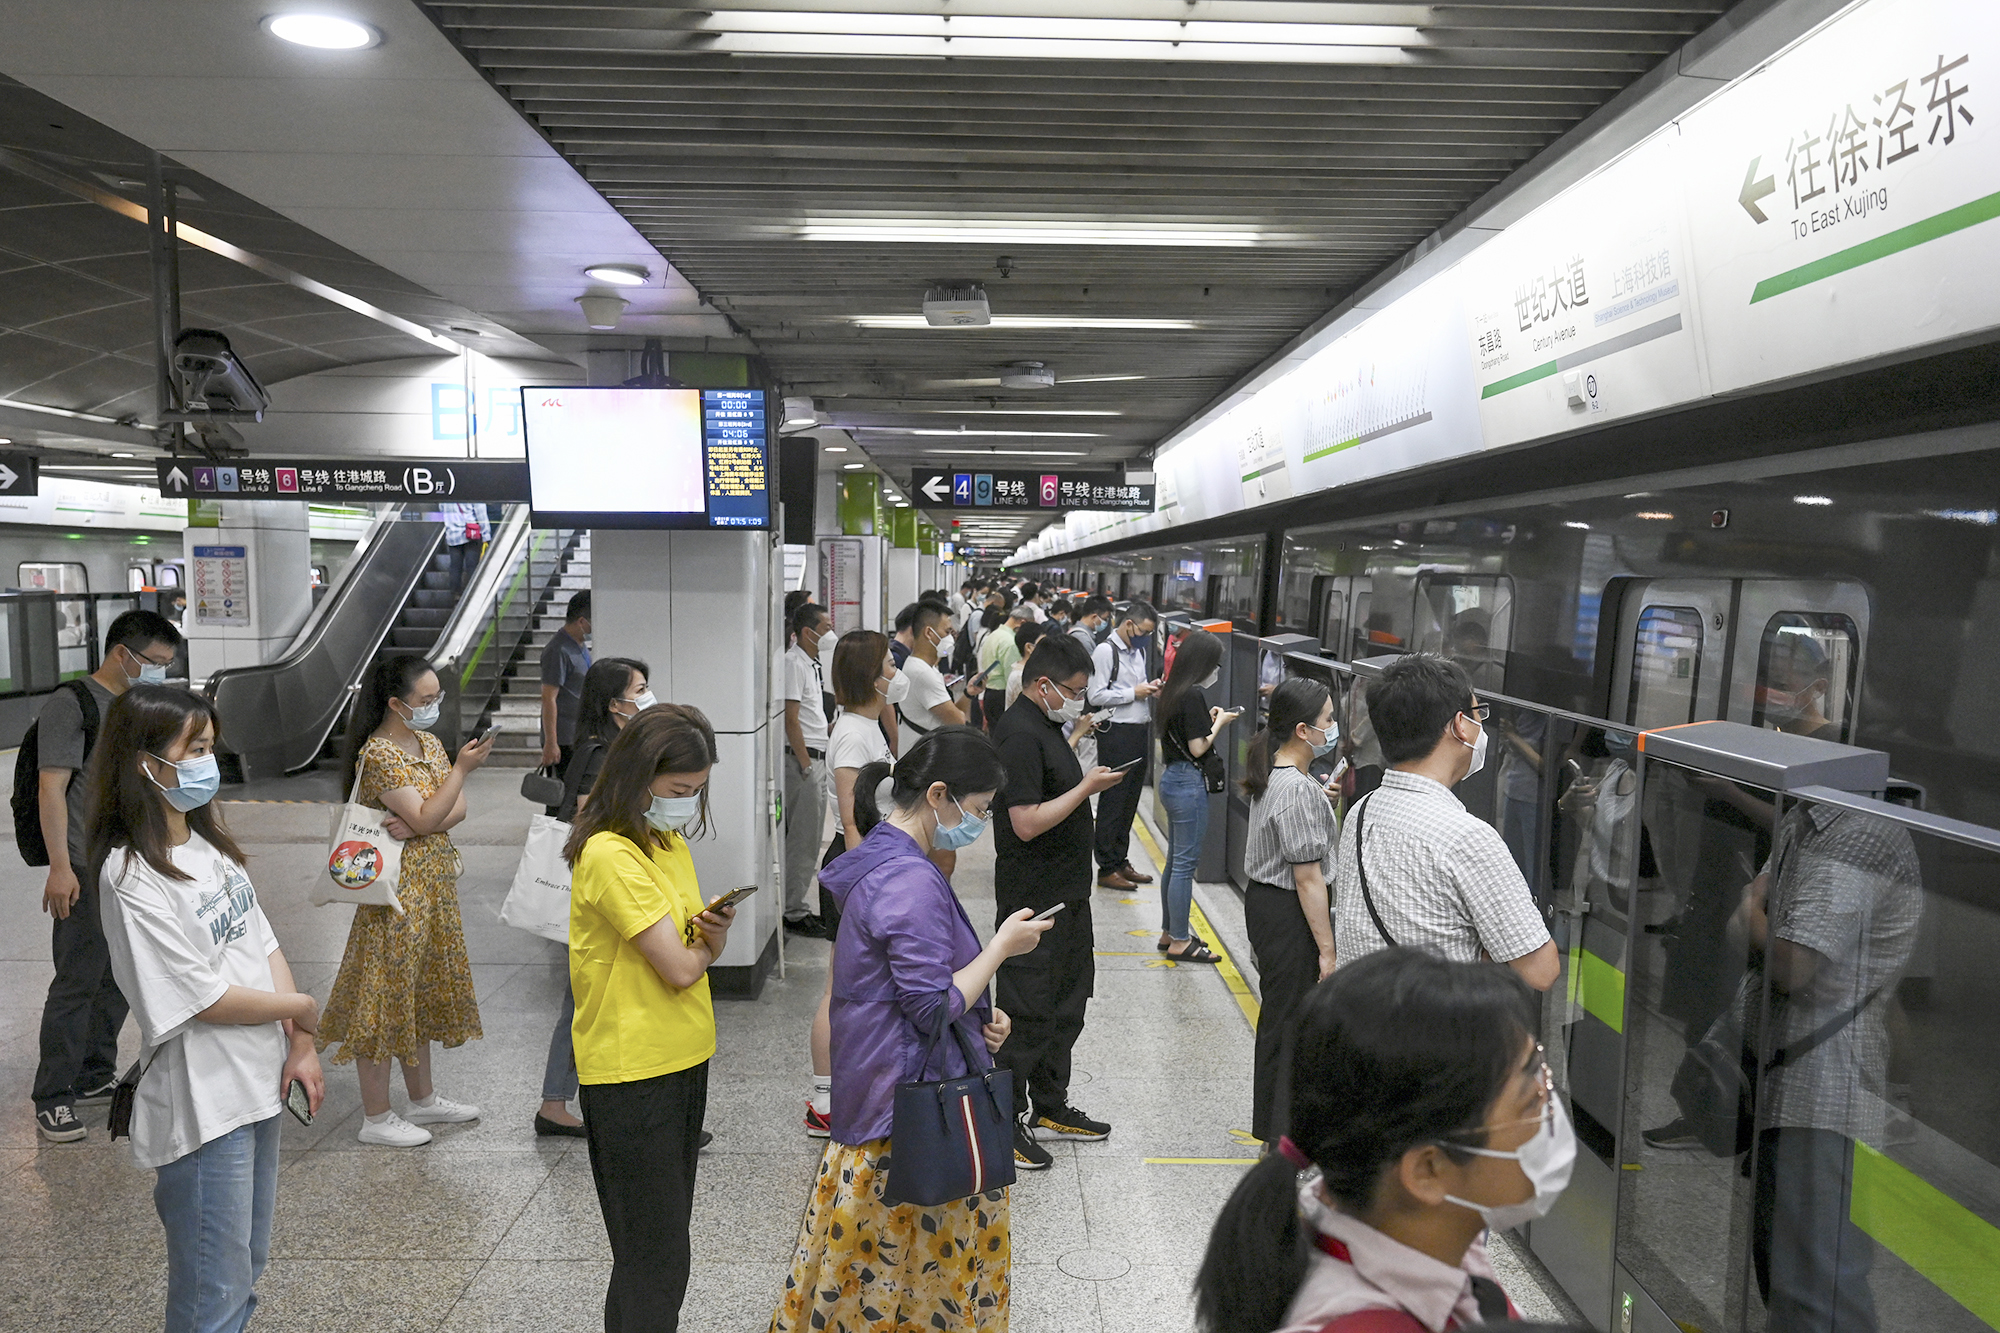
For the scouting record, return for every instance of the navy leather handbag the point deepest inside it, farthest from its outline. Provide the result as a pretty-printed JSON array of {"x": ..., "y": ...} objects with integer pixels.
[{"x": 952, "y": 1139}]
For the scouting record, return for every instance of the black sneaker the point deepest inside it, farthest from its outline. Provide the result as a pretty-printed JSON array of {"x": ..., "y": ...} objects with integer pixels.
[
  {"x": 1676, "y": 1136},
  {"x": 59, "y": 1124},
  {"x": 811, "y": 927},
  {"x": 1028, "y": 1154},
  {"x": 1066, "y": 1122},
  {"x": 101, "y": 1093}
]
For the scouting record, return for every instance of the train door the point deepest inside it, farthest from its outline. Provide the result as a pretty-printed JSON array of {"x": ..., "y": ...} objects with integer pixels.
[
  {"x": 1469, "y": 617},
  {"x": 1796, "y": 661},
  {"x": 1340, "y": 610},
  {"x": 1671, "y": 663}
]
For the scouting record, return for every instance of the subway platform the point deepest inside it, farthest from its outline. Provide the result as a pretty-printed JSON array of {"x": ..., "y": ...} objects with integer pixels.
[{"x": 490, "y": 1228}]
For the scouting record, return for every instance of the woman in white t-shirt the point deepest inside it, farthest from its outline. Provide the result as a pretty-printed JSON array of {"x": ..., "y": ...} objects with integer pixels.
[
  {"x": 865, "y": 683},
  {"x": 223, "y": 1031}
]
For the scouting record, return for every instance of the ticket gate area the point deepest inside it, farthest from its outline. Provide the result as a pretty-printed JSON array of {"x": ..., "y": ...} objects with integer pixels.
[{"x": 1773, "y": 1026}]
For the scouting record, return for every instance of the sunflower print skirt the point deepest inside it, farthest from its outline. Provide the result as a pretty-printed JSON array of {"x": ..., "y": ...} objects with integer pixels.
[{"x": 864, "y": 1266}]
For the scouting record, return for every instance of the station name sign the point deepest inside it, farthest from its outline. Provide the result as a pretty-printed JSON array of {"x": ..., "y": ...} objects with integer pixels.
[
  {"x": 344, "y": 479},
  {"x": 1033, "y": 491}
]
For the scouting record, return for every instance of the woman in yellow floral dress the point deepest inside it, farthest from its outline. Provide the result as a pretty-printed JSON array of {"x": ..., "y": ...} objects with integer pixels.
[{"x": 404, "y": 981}]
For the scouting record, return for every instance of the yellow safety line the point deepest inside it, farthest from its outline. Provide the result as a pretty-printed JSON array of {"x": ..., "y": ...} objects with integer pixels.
[
  {"x": 1239, "y": 989},
  {"x": 1202, "y": 1161}
]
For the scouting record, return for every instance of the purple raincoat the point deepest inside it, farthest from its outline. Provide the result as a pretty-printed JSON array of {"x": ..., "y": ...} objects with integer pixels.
[{"x": 902, "y": 935}]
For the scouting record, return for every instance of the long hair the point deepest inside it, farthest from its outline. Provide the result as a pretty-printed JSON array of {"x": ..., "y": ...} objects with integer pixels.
[
  {"x": 1200, "y": 652},
  {"x": 1294, "y": 701},
  {"x": 1394, "y": 1051},
  {"x": 964, "y": 759},
  {"x": 857, "y": 665},
  {"x": 666, "y": 738},
  {"x": 390, "y": 678},
  {"x": 603, "y": 685},
  {"x": 125, "y": 807}
]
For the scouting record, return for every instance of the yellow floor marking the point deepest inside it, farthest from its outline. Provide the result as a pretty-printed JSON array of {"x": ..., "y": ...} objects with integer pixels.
[
  {"x": 1139, "y": 932},
  {"x": 1202, "y": 1161},
  {"x": 1233, "y": 979},
  {"x": 1245, "y": 1138},
  {"x": 1131, "y": 902},
  {"x": 1163, "y": 962}
]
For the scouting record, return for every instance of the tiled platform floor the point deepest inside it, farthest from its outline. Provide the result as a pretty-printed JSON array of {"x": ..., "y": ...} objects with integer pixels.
[{"x": 491, "y": 1229}]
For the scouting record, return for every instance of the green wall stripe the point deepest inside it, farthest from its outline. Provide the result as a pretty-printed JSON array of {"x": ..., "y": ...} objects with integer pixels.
[
  {"x": 1528, "y": 376},
  {"x": 1895, "y": 242},
  {"x": 1955, "y": 1248},
  {"x": 1598, "y": 987},
  {"x": 1318, "y": 454}
]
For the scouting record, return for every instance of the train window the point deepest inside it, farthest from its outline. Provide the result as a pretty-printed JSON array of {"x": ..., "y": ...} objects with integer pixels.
[
  {"x": 1805, "y": 674},
  {"x": 1333, "y": 619},
  {"x": 54, "y": 576},
  {"x": 1366, "y": 644},
  {"x": 138, "y": 577},
  {"x": 167, "y": 576},
  {"x": 1469, "y": 617},
  {"x": 1666, "y": 667}
]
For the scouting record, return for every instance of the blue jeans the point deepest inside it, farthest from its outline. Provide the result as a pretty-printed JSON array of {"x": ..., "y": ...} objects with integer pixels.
[
  {"x": 1185, "y": 795},
  {"x": 216, "y": 1206}
]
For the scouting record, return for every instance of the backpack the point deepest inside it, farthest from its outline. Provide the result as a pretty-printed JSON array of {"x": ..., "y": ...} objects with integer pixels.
[{"x": 28, "y": 776}]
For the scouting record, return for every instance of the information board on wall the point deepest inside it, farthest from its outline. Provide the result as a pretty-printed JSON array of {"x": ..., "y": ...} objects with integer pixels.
[
  {"x": 619, "y": 457},
  {"x": 220, "y": 586},
  {"x": 840, "y": 579}
]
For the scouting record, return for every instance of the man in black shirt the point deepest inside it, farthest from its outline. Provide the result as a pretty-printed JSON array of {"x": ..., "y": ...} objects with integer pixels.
[{"x": 1042, "y": 858}]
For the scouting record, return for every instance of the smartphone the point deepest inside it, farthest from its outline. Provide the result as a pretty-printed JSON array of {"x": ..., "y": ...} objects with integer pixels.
[
  {"x": 299, "y": 1103},
  {"x": 488, "y": 734},
  {"x": 1129, "y": 763},
  {"x": 1044, "y": 916},
  {"x": 953, "y": 682},
  {"x": 733, "y": 897}
]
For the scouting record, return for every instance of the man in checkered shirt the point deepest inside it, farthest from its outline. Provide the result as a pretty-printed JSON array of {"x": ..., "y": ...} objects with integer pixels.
[{"x": 1439, "y": 877}]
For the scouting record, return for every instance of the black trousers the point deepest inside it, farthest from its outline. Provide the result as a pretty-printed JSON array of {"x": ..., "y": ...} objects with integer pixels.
[
  {"x": 1811, "y": 1260},
  {"x": 645, "y": 1139},
  {"x": 1287, "y": 967},
  {"x": 1045, "y": 993},
  {"x": 84, "y": 1010},
  {"x": 464, "y": 560},
  {"x": 1120, "y": 743}
]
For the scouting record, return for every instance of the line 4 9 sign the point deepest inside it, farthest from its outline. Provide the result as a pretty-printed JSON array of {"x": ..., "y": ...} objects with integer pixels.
[{"x": 1033, "y": 490}]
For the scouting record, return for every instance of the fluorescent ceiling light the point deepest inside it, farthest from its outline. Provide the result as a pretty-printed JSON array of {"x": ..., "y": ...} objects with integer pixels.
[
  {"x": 1655, "y": 514},
  {"x": 852, "y": 467},
  {"x": 618, "y": 275},
  {"x": 1580, "y": 527},
  {"x": 114, "y": 453},
  {"x": 324, "y": 32},
  {"x": 885, "y": 231},
  {"x": 1024, "y": 411},
  {"x": 1098, "y": 379},
  {"x": 1815, "y": 500},
  {"x": 1024, "y": 322},
  {"x": 1012, "y": 434},
  {"x": 835, "y": 449},
  {"x": 1013, "y": 453}
]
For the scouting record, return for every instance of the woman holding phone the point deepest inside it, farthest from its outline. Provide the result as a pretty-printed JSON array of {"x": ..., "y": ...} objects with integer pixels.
[
  {"x": 1189, "y": 729},
  {"x": 223, "y": 1031},
  {"x": 907, "y": 961},
  {"x": 641, "y": 942}
]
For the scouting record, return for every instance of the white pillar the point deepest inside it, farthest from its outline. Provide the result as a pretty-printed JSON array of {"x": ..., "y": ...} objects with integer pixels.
[
  {"x": 702, "y": 609},
  {"x": 903, "y": 565},
  {"x": 249, "y": 585}
]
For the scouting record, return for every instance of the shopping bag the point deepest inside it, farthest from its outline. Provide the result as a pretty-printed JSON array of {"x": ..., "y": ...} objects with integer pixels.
[
  {"x": 539, "y": 901},
  {"x": 363, "y": 862}
]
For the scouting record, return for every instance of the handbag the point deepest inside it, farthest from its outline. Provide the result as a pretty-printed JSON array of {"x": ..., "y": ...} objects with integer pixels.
[
  {"x": 124, "y": 1097},
  {"x": 543, "y": 786},
  {"x": 952, "y": 1139},
  {"x": 473, "y": 532},
  {"x": 538, "y": 902},
  {"x": 1214, "y": 774},
  {"x": 364, "y": 862}
]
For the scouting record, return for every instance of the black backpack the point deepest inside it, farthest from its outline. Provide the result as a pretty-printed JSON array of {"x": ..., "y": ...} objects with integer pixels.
[{"x": 28, "y": 776}]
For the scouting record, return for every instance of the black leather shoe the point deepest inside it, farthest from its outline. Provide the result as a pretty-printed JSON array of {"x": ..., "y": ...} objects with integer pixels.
[{"x": 546, "y": 1128}]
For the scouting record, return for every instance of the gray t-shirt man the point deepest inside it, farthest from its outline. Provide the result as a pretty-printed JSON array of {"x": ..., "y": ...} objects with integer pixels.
[
  {"x": 59, "y": 741},
  {"x": 564, "y": 662}
]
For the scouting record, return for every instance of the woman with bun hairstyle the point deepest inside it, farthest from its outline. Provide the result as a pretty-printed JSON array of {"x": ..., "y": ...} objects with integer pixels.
[
  {"x": 1422, "y": 1116},
  {"x": 906, "y": 963},
  {"x": 223, "y": 1030},
  {"x": 641, "y": 941}
]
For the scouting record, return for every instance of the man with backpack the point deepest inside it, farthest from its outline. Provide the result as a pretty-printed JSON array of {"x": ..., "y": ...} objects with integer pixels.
[
  {"x": 1121, "y": 686},
  {"x": 84, "y": 1011}
]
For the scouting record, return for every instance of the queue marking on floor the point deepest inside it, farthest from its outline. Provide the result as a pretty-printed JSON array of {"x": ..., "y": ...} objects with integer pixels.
[{"x": 1239, "y": 989}]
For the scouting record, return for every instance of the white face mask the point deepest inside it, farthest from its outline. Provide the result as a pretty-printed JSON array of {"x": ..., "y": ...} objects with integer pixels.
[
  {"x": 1208, "y": 682},
  {"x": 826, "y": 652},
  {"x": 1066, "y": 712},
  {"x": 1478, "y": 753},
  {"x": 1545, "y": 1160},
  {"x": 897, "y": 690}
]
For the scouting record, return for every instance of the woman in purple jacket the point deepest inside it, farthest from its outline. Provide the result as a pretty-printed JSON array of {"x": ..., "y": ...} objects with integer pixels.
[{"x": 907, "y": 958}]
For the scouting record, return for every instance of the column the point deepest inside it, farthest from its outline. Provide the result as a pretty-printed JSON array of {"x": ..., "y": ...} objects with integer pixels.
[{"x": 249, "y": 585}]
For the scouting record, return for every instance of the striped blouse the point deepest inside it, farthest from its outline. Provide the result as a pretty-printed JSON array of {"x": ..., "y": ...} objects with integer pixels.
[{"x": 1290, "y": 824}]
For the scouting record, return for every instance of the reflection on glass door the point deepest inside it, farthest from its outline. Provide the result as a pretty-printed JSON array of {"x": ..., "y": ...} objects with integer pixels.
[{"x": 1666, "y": 667}]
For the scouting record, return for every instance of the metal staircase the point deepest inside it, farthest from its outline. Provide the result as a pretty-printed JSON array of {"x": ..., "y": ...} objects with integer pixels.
[{"x": 564, "y": 570}]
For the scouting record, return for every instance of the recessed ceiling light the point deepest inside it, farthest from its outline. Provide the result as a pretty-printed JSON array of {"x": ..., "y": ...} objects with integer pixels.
[
  {"x": 324, "y": 32},
  {"x": 835, "y": 449},
  {"x": 1010, "y": 453},
  {"x": 852, "y": 467},
  {"x": 618, "y": 275},
  {"x": 119, "y": 454},
  {"x": 1580, "y": 527},
  {"x": 1009, "y": 434},
  {"x": 1024, "y": 411},
  {"x": 1815, "y": 500},
  {"x": 1654, "y": 514},
  {"x": 1021, "y": 322},
  {"x": 886, "y": 231},
  {"x": 5, "y": 441}
]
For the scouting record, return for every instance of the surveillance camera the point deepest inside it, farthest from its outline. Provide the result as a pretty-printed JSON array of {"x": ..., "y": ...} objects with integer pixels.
[{"x": 212, "y": 378}]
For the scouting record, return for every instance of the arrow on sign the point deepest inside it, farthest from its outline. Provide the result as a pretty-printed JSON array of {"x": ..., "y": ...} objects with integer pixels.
[
  {"x": 177, "y": 480},
  {"x": 936, "y": 489},
  {"x": 1754, "y": 189},
  {"x": 7, "y": 477}
]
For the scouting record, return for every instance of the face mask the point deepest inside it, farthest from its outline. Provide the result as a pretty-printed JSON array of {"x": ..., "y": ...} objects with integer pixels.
[
  {"x": 638, "y": 705},
  {"x": 150, "y": 673},
  {"x": 1784, "y": 705},
  {"x": 423, "y": 719},
  {"x": 897, "y": 690},
  {"x": 1478, "y": 753},
  {"x": 200, "y": 779},
  {"x": 962, "y": 834},
  {"x": 825, "y": 652},
  {"x": 1208, "y": 681},
  {"x": 1329, "y": 738},
  {"x": 671, "y": 814},
  {"x": 1066, "y": 712},
  {"x": 1545, "y": 1160}
]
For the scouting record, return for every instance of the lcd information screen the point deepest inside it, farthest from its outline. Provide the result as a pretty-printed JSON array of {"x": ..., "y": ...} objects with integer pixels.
[{"x": 647, "y": 458}]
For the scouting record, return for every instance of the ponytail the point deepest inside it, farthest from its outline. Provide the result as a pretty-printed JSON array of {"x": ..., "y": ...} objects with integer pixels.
[
  {"x": 1296, "y": 700},
  {"x": 866, "y": 813},
  {"x": 1258, "y": 1253}
]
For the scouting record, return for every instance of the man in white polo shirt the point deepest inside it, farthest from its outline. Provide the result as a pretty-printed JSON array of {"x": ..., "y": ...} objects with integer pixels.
[{"x": 805, "y": 767}]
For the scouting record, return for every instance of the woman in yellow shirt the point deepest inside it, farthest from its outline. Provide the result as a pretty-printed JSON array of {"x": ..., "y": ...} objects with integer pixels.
[{"x": 640, "y": 945}]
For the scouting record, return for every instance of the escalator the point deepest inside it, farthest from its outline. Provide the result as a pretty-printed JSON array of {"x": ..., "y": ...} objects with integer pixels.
[{"x": 393, "y": 597}]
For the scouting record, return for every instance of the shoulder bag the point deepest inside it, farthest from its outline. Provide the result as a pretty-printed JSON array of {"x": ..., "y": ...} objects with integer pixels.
[
  {"x": 125, "y": 1096},
  {"x": 1361, "y": 871},
  {"x": 952, "y": 1139},
  {"x": 364, "y": 862}
]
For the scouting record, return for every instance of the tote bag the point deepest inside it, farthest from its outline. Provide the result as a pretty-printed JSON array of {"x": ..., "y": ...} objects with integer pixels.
[
  {"x": 539, "y": 901},
  {"x": 363, "y": 863},
  {"x": 952, "y": 1139}
]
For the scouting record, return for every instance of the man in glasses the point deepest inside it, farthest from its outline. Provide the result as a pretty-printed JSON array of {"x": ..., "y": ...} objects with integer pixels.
[{"x": 1437, "y": 876}]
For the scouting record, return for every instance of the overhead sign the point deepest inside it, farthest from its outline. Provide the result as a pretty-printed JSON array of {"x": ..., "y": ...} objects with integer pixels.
[
  {"x": 19, "y": 475},
  {"x": 1033, "y": 490},
  {"x": 344, "y": 479}
]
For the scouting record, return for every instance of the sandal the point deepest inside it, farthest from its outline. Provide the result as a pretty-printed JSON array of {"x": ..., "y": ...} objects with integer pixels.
[{"x": 1196, "y": 952}]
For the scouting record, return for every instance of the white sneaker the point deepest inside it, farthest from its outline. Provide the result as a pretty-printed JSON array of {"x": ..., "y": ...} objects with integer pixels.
[
  {"x": 441, "y": 1111},
  {"x": 393, "y": 1132}
]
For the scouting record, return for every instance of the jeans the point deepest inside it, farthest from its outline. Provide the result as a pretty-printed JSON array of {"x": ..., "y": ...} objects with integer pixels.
[
  {"x": 216, "y": 1205},
  {"x": 805, "y": 812},
  {"x": 1185, "y": 795},
  {"x": 84, "y": 1010},
  {"x": 1811, "y": 1260},
  {"x": 645, "y": 1139},
  {"x": 559, "y": 1075}
]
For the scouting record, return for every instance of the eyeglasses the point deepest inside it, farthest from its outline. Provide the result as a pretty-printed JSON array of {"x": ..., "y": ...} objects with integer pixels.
[
  {"x": 1478, "y": 713},
  {"x": 1064, "y": 690}
]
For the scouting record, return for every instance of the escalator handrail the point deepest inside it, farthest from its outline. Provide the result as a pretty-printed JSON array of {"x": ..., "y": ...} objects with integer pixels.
[{"x": 473, "y": 618}]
